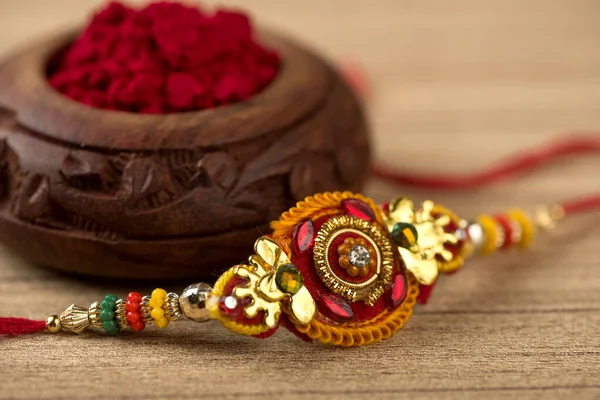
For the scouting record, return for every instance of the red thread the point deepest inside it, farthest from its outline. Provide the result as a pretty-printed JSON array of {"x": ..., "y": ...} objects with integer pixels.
[
  {"x": 514, "y": 165},
  {"x": 583, "y": 204},
  {"x": 588, "y": 142},
  {"x": 20, "y": 326},
  {"x": 164, "y": 58}
]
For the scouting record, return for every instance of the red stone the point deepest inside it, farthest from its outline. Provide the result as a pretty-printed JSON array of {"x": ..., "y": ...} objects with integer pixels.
[
  {"x": 335, "y": 307},
  {"x": 425, "y": 292},
  {"x": 138, "y": 326},
  {"x": 358, "y": 208},
  {"x": 398, "y": 291},
  {"x": 303, "y": 236},
  {"x": 132, "y": 317},
  {"x": 134, "y": 297}
]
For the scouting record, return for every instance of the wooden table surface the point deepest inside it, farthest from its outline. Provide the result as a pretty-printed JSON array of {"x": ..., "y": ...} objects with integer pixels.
[{"x": 456, "y": 85}]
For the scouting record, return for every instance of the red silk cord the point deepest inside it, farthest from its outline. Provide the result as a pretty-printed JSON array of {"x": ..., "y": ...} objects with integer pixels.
[
  {"x": 572, "y": 145},
  {"x": 20, "y": 326}
]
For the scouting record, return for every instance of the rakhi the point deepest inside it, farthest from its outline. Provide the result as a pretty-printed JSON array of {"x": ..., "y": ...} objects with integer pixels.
[{"x": 336, "y": 268}]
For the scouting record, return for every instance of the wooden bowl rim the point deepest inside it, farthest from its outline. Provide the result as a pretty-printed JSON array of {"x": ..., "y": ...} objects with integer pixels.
[{"x": 300, "y": 87}]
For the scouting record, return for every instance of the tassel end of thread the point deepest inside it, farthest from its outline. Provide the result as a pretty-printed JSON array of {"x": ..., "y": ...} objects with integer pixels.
[{"x": 20, "y": 326}]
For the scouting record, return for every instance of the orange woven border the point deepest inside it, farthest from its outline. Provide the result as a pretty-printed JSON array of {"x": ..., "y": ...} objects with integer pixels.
[
  {"x": 375, "y": 330},
  {"x": 308, "y": 207}
]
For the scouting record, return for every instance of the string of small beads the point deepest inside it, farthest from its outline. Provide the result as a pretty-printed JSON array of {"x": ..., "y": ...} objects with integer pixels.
[
  {"x": 158, "y": 305},
  {"x": 501, "y": 231},
  {"x": 135, "y": 312}
]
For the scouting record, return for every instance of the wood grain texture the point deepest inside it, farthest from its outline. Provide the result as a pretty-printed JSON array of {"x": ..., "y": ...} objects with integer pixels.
[{"x": 457, "y": 85}]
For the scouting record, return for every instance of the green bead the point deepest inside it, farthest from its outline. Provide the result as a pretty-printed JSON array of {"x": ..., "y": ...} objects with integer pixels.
[
  {"x": 405, "y": 235},
  {"x": 107, "y": 315},
  {"x": 108, "y": 304},
  {"x": 109, "y": 301},
  {"x": 289, "y": 279},
  {"x": 111, "y": 297},
  {"x": 111, "y": 327}
]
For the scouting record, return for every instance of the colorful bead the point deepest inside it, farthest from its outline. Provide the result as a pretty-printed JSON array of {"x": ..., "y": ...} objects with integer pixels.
[
  {"x": 504, "y": 230},
  {"x": 193, "y": 302},
  {"x": 157, "y": 301},
  {"x": 111, "y": 327},
  {"x": 161, "y": 323},
  {"x": 405, "y": 235},
  {"x": 490, "y": 230},
  {"x": 134, "y": 317},
  {"x": 527, "y": 227},
  {"x": 107, "y": 314},
  {"x": 289, "y": 279},
  {"x": 505, "y": 224},
  {"x": 157, "y": 313}
]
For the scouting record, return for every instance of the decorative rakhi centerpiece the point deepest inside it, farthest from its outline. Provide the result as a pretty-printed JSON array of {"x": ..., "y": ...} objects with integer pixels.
[{"x": 339, "y": 269}]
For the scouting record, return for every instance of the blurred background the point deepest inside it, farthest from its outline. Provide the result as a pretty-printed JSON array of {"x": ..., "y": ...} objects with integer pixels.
[{"x": 455, "y": 84}]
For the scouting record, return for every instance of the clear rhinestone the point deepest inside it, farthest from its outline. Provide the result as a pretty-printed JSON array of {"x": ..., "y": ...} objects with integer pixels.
[
  {"x": 461, "y": 234},
  {"x": 231, "y": 302},
  {"x": 359, "y": 256}
]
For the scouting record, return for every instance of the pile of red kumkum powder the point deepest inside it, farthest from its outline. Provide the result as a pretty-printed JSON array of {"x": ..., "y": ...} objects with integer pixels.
[{"x": 164, "y": 58}]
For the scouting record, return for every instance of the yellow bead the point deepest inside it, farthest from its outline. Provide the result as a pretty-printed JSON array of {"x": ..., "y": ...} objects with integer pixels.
[
  {"x": 490, "y": 229},
  {"x": 155, "y": 303},
  {"x": 161, "y": 323},
  {"x": 157, "y": 313},
  {"x": 527, "y": 227},
  {"x": 159, "y": 293}
]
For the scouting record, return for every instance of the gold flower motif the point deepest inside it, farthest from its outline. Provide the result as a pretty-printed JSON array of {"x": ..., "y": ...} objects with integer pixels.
[
  {"x": 424, "y": 257},
  {"x": 263, "y": 289},
  {"x": 344, "y": 251}
]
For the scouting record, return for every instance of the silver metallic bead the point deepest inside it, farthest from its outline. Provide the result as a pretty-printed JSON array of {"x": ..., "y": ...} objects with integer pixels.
[
  {"x": 476, "y": 235},
  {"x": 192, "y": 302},
  {"x": 173, "y": 312}
]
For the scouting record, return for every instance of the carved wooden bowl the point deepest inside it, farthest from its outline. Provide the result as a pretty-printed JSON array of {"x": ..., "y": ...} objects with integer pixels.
[{"x": 126, "y": 195}]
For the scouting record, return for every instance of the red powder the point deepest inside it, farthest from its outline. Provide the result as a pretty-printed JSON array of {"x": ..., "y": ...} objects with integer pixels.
[{"x": 164, "y": 58}]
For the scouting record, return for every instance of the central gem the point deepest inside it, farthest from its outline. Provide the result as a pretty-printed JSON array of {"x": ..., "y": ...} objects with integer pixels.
[{"x": 359, "y": 256}]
